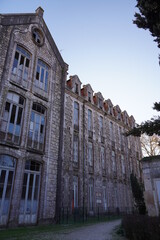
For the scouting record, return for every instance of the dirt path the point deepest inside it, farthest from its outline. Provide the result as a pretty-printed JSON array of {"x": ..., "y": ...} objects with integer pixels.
[{"x": 101, "y": 231}]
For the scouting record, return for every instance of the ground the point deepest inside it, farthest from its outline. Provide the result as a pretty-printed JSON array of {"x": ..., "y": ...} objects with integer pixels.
[{"x": 99, "y": 231}]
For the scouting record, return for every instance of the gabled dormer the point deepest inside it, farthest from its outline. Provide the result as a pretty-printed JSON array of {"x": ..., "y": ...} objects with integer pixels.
[
  {"x": 87, "y": 93},
  {"x": 132, "y": 121},
  {"x": 108, "y": 106},
  {"x": 98, "y": 100},
  {"x": 74, "y": 84},
  {"x": 125, "y": 117},
  {"x": 117, "y": 112}
]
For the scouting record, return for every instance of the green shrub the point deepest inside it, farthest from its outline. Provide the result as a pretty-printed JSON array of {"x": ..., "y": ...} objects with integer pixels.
[{"x": 140, "y": 227}]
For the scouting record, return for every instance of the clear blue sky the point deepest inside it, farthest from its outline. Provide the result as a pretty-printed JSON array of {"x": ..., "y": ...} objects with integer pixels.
[{"x": 104, "y": 48}]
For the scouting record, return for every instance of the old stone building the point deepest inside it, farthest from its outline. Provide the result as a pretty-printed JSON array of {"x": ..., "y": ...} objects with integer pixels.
[
  {"x": 39, "y": 111},
  {"x": 98, "y": 158},
  {"x": 32, "y": 80}
]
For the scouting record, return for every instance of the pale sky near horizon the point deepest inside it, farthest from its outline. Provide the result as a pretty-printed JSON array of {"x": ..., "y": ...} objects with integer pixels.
[{"x": 101, "y": 45}]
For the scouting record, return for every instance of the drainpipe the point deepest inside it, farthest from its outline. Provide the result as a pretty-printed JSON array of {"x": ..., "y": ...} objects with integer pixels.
[
  {"x": 83, "y": 158},
  {"x": 60, "y": 158}
]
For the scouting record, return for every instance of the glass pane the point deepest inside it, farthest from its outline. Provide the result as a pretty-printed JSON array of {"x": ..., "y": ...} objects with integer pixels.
[
  {"x": 30, "y": 186},
  {"x": 17, "y": 130},
  {"x": 10, "y": 130},
  {"x": 27, "y": 62},
  {"x": 13, "y": 113},
  {"x": 9, "y": 185},
  {"x": 38, "y": 72},
  {"x": 21, "y": 100},
  {"x": 6, "y": 160},
  {"x": 15, "y": 98},
  {"x": 32, "y": 116},
  {"x": 37, "y": 119},
  {"x": 22, "y": 60},
  {"x": 2, "y": 179},
  {"x": 46, "y": 81},
  {"x": 36, "y": 188},
  {"x": 42, "y": 75},
  {"x": 19, "y": 116}
]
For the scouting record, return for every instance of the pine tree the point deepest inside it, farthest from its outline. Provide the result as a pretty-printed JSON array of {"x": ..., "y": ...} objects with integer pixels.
[
  {"x": 137, "y": 191},
  {"x": 149, "y": 17},
  {"x": 149, "y": 127}
]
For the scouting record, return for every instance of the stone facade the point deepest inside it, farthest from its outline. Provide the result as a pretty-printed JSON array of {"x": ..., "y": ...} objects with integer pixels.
[
  {"x": 98, "y": 158},
  {"x": 32, "y": 80},
  {"x": 60, "y": 144},
  {"x": 151, "y": 177}
]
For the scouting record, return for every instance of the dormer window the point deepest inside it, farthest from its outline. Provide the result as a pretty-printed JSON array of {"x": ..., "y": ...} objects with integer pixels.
[
  {"x": 76, "y": 88},
  {"x": 100, "y": 103},
  {"x": 119, "y": 116},
  {"x": 89, "y": 96}
]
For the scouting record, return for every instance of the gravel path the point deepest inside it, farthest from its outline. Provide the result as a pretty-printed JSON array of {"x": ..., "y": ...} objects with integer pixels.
[{"x": 101, "y": 231}]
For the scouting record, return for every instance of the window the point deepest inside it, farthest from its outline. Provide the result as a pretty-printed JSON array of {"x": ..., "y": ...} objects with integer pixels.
[
  {"x": 100, "y": 103},
  {"x": 91, "y": 195},
  {"x": 90, "y": 154},
  {"x": 120, "y": 135},
  {"x": 42, "y": 75},
  {"x": 76, "y": 88},
  {"x": 12, "y": 118},
  {"x": 101, "y": 125},
  {"x": 75, "y": 192},
  {"x": 122, "y": 163},
  {"x": 7, "y": 168},
  {"x": 76, "y": 116},
  {"x": 113, "y": 161},
  {"x": 89, "y": 120},
  {"x": 89, "y": 96},
  {"x": 37, "y": 36},
  {"x": 30, "y": 193},
  {"x": 21, "y": 64},
  {"x": 102, "y": 157},
  {"x": 111, "y": 131},
  {"x": 75, "y": 148},
  {"x": 104, "y": 198},
  {"x": 37, "y": 127}
]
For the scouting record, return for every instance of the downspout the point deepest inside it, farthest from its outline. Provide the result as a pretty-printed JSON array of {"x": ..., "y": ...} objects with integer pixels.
[
  {"x": 83, "y": 157},
  {"x": 60, "y": 149}
]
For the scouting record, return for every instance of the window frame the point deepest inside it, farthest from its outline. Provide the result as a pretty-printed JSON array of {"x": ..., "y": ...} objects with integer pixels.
[
  {"x": 13, "y": 116},
  {"x": 34, "y": 116},
  {"x": 16, "y": 67},
  {"x": 42, "y": 75}
]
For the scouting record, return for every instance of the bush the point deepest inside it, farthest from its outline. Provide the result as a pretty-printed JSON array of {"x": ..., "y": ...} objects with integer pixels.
[{"x": 140, "y": 227}]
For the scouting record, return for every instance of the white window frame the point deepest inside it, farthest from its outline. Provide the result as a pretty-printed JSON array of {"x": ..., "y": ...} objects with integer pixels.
[
  {"x": 11, "y": 123},
  {"x": 42, "y": 74},
  {"x": 19, "y": 70},
  {"x": 36, "y": 126}
]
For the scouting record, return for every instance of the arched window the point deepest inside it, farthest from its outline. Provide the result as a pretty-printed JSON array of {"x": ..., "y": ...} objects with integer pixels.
[
  {"x": 7, "y": 168},
  {"x": 20, "y": 69},
  {"x": 41, "y": 80},
  {"x": 11, "y": 123},
  {"x": 37, "y": 127}
]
